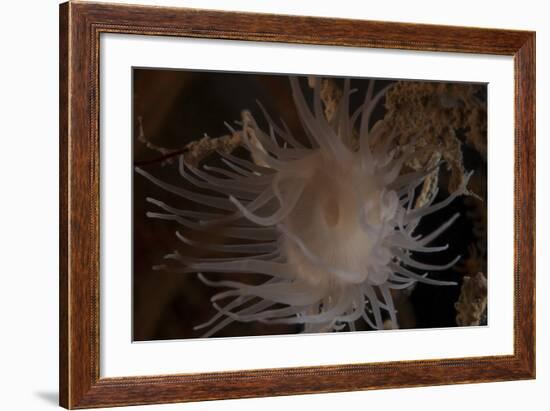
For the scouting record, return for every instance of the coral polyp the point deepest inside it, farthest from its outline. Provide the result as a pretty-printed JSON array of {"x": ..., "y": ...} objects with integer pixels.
[{"x": 328, "y": 224}]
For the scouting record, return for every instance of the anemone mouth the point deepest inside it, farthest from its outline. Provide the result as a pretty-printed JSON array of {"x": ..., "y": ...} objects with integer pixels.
[{"x": 329, "y": 228}]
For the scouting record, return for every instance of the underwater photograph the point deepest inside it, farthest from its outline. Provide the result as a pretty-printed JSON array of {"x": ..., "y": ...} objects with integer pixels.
[{"x": 278, "y": 204}]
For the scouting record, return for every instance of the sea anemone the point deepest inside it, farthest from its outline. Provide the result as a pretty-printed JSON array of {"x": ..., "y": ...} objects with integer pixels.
[{"x": 328, "y": 227}]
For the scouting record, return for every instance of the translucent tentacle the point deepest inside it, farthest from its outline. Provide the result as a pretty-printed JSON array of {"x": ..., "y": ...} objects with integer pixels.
[{"x": 216, "y": 202}]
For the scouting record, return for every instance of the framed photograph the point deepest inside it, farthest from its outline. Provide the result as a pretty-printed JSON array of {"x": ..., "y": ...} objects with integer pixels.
[{"x": 259, "y": 205}]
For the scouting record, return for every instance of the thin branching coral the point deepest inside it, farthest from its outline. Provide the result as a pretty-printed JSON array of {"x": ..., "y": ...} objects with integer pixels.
[
  {"x": 329, "y": 227},
  {"x": 440, "y": 110}
]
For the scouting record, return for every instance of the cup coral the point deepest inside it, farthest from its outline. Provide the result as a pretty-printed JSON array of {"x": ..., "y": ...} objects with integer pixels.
[{"x": 329, "y": 228}]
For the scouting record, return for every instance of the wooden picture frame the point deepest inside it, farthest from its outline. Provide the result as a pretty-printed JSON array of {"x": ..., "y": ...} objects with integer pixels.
[{"x": 81, "y": 24}]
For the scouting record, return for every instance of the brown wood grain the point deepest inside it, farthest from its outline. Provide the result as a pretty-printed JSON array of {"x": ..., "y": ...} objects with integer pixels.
[
  {"x": 63, "y": 205},
  {"x": 80, "y": 28}
]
